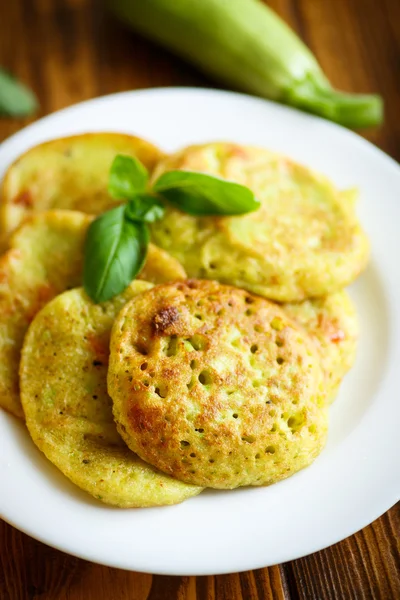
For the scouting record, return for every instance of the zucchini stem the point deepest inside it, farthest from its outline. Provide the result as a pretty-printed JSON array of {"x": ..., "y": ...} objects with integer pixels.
[{"x": 351, "y": 110}]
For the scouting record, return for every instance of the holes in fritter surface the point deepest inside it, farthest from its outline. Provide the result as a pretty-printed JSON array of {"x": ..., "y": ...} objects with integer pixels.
[
  {"x": 249, "y": 300},
  {"x": 258, "y": 329},
  {"x": 249, "y": 312},
  {"x": 295, "y": 422},
  {"x": 254, "y": 348},
  {"x": 143, "y": 366},
  {"x": 184, "y": 444},
  {"x": 212, "y": 265},
  {"x": 140, "y": 348},
  {"x": 270, "y": 450},
  {"x": 256, "y": 383},
  {"x": 211, "y": 461},
  {"x": 277, "y": 324},
  {"x": 205, "y": 378},
  {"x": 280, "y": 360},
  {"x": 197, "y": 342},
  {"x": 273, "y": 428},
  {"x": 272, "y": 412},
  {"x": 279, "y": 342},
  {"x": 200, "y": 430},
  {"x": 161, "y": 391},
  {"x": 146, "y": 383},
  {"x": 193, "y": 364},
  {"x": 250, "y": 439},
  {"x": 171, "y": 348},
  {"x": 193, "y": 455},
  {"x": 198, "y": 316},
  {"x": 235, "y": 415},
  {"x": 190, "y": 384}
]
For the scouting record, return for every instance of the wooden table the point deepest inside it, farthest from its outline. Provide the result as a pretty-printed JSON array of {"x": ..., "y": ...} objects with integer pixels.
[{"x": 68, "y": 51}]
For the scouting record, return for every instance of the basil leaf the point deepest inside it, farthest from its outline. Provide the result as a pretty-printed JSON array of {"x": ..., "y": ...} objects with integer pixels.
[
  {"x": 16, "y": 100},
  {"x": 199, "y": 194},
  {"x": 145, "y": 208},
  {"x": 115, "y": 251},
  {"x": 127, "y": 177}
]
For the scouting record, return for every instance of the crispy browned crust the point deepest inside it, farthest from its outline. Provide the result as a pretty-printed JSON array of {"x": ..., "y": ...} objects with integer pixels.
[{"x": 215, "y": 386}]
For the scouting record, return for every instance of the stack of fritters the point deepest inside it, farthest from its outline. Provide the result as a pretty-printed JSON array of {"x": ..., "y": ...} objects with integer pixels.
[{"x": 211, "y": 382}]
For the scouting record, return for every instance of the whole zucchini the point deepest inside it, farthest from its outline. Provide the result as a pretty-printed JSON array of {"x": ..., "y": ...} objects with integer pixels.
[{"x": 245, "y": 44}]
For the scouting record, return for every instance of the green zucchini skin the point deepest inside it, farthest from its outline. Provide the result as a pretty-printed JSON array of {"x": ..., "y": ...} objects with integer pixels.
[{"x": 246, "y": 45}]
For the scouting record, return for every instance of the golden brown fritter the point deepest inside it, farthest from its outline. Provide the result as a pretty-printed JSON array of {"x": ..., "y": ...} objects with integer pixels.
[
  {"x": 333, "y": 325},
  {"x": 305, "y": 240},
  {"x": 45, "y": 259},
  {"x": 68, "y": 412},
  {"x": 215, "y": 386},
  {"x": 67, "y": 173}
]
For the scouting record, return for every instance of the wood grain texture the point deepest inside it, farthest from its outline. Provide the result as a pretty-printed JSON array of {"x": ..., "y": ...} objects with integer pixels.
[{"x": 68, "y": 51}]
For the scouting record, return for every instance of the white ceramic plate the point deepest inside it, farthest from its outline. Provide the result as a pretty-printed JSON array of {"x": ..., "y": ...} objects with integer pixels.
[{"x": 355, "y": 479}]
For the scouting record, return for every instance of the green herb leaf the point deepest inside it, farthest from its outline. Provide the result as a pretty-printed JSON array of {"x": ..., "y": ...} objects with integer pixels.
[
  {"x": 115, "y": 252},
  {"x": 128, "y": 177},
  {"x": 145, "y": 208},
  {"x": 204, "y": 195},
  {"x": 16, "y": 100}
]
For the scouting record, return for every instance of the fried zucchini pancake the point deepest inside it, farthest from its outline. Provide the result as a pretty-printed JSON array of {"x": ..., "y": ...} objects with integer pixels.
[
  {"x": 333, "y": 325},
  {"x": 67, "y": 173},
  {"x": 305, "y": 240},
  {"x": 45, "y": 259},
  {"x": 215, "y": 386},
  {"x": 68, "y": 412}
]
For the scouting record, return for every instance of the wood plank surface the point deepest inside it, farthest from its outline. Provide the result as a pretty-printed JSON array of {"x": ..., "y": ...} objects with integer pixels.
[{"x": 69, "y": 51}]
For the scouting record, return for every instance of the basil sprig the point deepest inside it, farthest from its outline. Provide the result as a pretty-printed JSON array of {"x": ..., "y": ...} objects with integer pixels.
[
  {"x": 117, "y": 241},
  {"x": 128, "y": 177},
  {"x": 202, "y": 195},
  {"x": 115, "y": 251}
]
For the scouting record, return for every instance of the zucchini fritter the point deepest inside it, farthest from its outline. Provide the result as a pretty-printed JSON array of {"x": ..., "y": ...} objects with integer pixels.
[
  {"x": 68, "y": 412},
  {"x": 215, "y": 386},
  {"x": 304, "y": 241}
]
